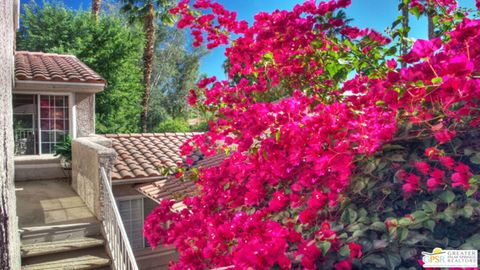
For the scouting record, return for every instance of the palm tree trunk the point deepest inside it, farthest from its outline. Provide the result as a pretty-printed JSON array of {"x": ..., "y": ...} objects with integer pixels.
[
  {"x": 149, "y": 28},
  {"x": 96, "y": 8},
  {"x": 431, "y": 29},
  {"x": 405, "y": 22}
]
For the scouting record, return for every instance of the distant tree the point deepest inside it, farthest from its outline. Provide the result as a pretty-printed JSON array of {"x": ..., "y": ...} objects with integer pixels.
[
  {"x": 150, "y": 12},
  {"x": 110, "y": 47},
  {"x": 175, "y": 71}
]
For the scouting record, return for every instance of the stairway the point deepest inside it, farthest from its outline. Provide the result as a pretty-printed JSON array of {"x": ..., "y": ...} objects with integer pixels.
[
  {"x": 74, "y": 246},
  {"x": 57, "y": 230}
]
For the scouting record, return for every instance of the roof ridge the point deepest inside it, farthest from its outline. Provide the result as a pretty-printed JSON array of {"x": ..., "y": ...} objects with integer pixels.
[{"x": 44, "y": 54}]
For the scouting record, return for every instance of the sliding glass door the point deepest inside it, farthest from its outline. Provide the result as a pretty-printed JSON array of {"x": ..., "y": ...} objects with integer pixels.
[
  {"x": 40, "y": 121},
  {"x": 25, "y": 120}
]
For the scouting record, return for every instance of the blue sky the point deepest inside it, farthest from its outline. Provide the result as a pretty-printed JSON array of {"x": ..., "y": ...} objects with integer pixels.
[{"x": 375, "y": 14}]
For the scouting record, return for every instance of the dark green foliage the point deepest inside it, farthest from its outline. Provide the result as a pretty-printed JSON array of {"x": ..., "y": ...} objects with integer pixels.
[
  {"x": 110, "y": 47},
  {"x": 394, "y": 230},
  {"x": 64, "y": 149},
  {"x": 200, "y": 127}
]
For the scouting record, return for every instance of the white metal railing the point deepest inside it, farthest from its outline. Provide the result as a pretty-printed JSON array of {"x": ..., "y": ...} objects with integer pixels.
[
  {"x": 24, "y": 139},
  {"x": 115, "y": 234}
]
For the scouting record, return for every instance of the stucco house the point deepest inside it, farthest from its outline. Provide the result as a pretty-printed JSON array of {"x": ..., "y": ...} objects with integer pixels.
[
  {"x": 140, "y": 181},
  {"x": 53, "y": 96}
]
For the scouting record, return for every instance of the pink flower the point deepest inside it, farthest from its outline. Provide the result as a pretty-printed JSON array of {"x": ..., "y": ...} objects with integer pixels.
[
  {"x": 447, "y": 162},
  {"x": 461, "y": 176},
  {"x": 422, "y": 49},
  {"x": 412, "y": 184},
  {"x": 422, "y": 167},
  {"x": 444, "y": 135},
  {"x": 355, "y": 250},
  {"x": 317, "y": 200},
  {"x": 432, "y": 152},
  {"x": 344, "y": 265},
  {"x": 279, "y": 201},
  {"x": 192, "y": 98},
  {"x": 391, "y": 63},
  {"x": 307, "y": 216}
]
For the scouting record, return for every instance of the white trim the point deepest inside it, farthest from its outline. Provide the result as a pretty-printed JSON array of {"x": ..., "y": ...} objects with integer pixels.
[
  {"x": 77, "y": 87},
  {"x": 39, "y": 142},
  {"x": 73, "y": 115}
]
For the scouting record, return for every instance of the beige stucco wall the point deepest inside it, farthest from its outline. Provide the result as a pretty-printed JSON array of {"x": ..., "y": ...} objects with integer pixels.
[
  {"x": 9, "y": 238},
  {"x": 157, "y": 259},
  {"x": 89, "y": 155},
  {"x": 85, "y": 105}
]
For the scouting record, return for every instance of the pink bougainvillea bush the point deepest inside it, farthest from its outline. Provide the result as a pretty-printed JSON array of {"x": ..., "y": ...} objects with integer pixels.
[{"x": 335, "y": 156}]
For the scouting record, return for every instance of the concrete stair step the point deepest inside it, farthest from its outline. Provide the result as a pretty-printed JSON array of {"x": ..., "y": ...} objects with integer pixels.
[
  {"x": 44, "y": 248},
  {"x": 92, "y": 258},
  {"x": 32, "y": 235}
]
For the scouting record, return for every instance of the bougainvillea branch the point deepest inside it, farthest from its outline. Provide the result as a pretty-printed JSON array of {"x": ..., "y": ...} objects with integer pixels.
[{"x": 309, "y": 101}]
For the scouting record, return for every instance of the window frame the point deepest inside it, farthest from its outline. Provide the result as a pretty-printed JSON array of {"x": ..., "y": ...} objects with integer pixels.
[
  {"x": 72, "y": 131},
  {"x": 131, "y": 198}
]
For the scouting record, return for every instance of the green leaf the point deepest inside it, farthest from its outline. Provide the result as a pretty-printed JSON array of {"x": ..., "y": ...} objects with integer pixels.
[
  {"x": 375, "y": 259},
  {"x": 468, "y": 151},
  {"x": 268, "y": 56},
  {"x": 393, "y": 260},
  {"x": 277, "y": 136},
  {"x": 407, "y": 253},
  {"x": 429, "y": 207},
  {"x": 402, "y": 234},
  {"x": 404, "y": 221},
  {"x": 396, "y": 158},
  {"x": 344, "y": 251},
  {"x": 358, "y": 233},
  {"x": 475, "y": 159},
  {"x": 226, "y": 186},
  {"x": 447, "y": 196},
  {"x": 437, "y": 80},
  {"x": 324, "y": 246},
  {"x": 429, "y": 224},
  {"x": 467, "y": 211},
  {"x": 472, "y": 190},
  {"x": 349, "y": 216},
  {"x": 378, "y": 226},
  {"x": 415, "y": 11}
]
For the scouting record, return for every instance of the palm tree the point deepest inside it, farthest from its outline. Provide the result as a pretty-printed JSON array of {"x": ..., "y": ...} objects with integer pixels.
[
  {"x": 148, "y": 12},
  {"x": 96, "y": 8}
]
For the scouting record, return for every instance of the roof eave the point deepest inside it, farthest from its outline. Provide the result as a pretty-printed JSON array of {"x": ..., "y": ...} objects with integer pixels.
[
  {"x": 55, "y": 86},
  {"x": 137, "y": 180}
]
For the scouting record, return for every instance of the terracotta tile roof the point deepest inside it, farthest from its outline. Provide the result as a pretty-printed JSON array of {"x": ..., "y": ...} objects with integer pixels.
[
  {"x": 37, "y": 66},
  {"x": 173, "y": 188},
  {"x": 146, "y": 155}
]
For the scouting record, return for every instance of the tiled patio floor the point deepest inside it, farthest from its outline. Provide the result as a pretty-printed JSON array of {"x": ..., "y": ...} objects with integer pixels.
[{"x": 49, "y": 202}]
